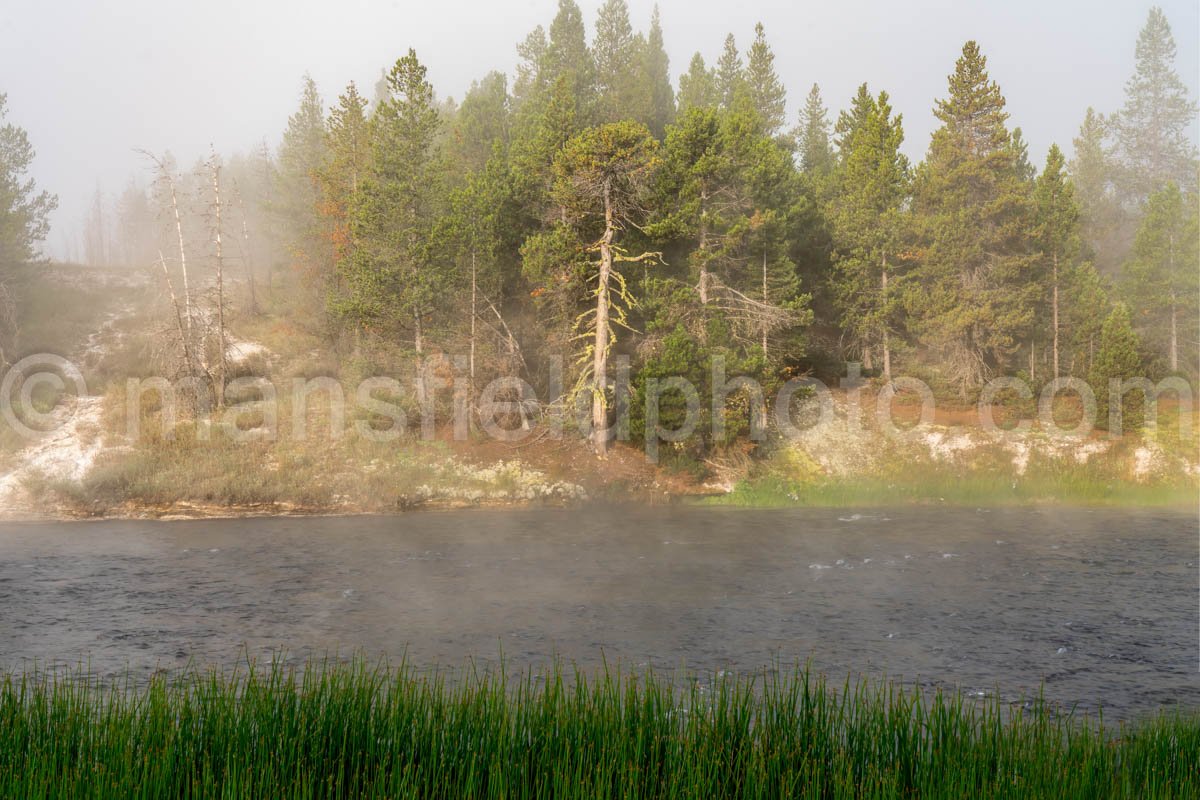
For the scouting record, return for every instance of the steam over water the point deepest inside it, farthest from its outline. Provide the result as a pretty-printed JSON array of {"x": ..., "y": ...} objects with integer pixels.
[{"x": 1100, "y": 605}]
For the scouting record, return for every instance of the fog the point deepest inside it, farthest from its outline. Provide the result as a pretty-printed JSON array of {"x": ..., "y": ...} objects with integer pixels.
[{"x": 92, "y": 81}]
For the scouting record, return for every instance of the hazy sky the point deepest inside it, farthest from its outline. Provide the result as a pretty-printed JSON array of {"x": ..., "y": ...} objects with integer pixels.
[{"x": 92, "y": 80}]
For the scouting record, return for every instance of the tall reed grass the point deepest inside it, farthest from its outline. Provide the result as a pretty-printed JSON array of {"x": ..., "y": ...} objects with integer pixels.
[{"x": 358, "y": 730}]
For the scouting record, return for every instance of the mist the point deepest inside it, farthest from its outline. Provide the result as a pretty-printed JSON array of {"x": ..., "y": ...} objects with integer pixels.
[{"x": 91, "y": 82}]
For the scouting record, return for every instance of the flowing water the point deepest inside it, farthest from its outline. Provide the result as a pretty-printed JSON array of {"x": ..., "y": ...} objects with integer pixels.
[{"x": 1098, "y": 606}]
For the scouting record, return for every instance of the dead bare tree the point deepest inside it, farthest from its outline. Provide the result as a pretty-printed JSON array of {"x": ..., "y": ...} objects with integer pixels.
[
  {"x": 215, "y": 215},
  {"x": 244, "y": 247},
  {"x": 750, "y": 317},
  {"x": 168, "y": 179},
  {"x": 185, "y": 341}
]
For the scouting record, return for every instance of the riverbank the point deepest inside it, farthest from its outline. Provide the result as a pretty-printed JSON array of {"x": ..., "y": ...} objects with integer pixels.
[
  {"x": 99, "y": 460},
  {"x": 364, "y": 730}
]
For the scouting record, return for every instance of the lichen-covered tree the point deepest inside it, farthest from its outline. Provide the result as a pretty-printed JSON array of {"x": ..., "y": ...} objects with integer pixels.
[{"x": 602, "y": 178}]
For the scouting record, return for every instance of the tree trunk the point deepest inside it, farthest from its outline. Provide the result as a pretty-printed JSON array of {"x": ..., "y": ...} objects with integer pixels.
[
  {"x": 419, "y": 345},
  {"x": 600, "y": 355},
  {"x": 241, "y": 204},
  {"x": 1174, "y": 354},
  {"x": 187, "y": 294},
  {"x": 474, "y": 314},
  {"x": 766, "y": 301},
  {"x": 1054, "y": 305},
  {"x": 887, "y": 335},
  {"x": 702, "y": 247},
  {"x": 183, "y": 337},
  {"x": 1174, "y": 335},
  {"x": 221, "y": 363},
  {"x": 1032, "y": 363}
]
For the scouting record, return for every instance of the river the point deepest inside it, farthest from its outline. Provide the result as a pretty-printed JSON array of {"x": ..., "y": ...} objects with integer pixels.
[{"x": 1097, "y": 606}]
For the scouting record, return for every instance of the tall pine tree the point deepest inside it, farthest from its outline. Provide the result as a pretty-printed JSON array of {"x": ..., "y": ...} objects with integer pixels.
[
  {"x": 697, "y": 86},
  {"x": 656, "y": 68},
  {"x": 869, "y": 225},
  {"x": 973, "y": 297},
  {"x": 766, "y": 90},
  {"x": 1162, "y": 278},
  {"x": 1057, "y": 235},
  {"x": 1152, "y": 128},
  {"x": 398, "y": 275},
  {"x": 812, "y": 136},
  {"x": 730, "y": 75}
]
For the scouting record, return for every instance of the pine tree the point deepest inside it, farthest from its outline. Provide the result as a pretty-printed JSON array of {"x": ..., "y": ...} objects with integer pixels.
[
  {"x": 1057, "y": 236},
  {"x": 480, "y": 122},
  {"x": 701, "y": 194},
  {"x": 1102, "y": 219},
  {"x": 621, "y": 94},
  {"x": 303, "y": 156},
  {"x": 1116, "y": 359},
  {"x": 477, "y": 231},
  {"x": 1083, "y": 315},
  {"x": 397, "y": 276},
  {"x": 973, "y": 297},
  {"x": 24, "y": 221},
  {"x": 657, "y": 76},
  {"x": 349, "y": 149},
  {"x": 24, "y": 212},
  {"x": 1020, "y": 149},
  {"x": 697, "y": 86},
  {"x": 812, "y": 137},
  {"x": 530, "y": 79},
  {"x": 1162, "y": 278},
  {"x": 862, "y": 110},
  {"x": 730, "y": 75},
  {"x": 868, "y": 219},
  {"x": 1152, "y": 128},
  {"x": 723, "y": 206},
  {"x": 766, "y": 90},
  {"x": 567, "y": 51}
]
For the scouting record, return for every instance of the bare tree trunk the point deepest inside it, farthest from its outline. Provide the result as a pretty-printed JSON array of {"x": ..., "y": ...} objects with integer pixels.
[
  {"x": 600, "y": 354},
  {"x": 702, "y": 247},
  {"x": 187, "y": 294},
  {"x": 1055, "y": 310},
  {"x": 766, "y": 301},
  {"x": 1032, "y": 363},
  {"x": 221, "y": 356},
  {"x": 245, "y": 243},
  {"x": 474, "y": 315},
  {"x": 419, "y": 344},
  {"x": 1174, "y": 335},
  {"x": 164, "y": 174},
  {"x": 887, "y": 336},
  {"x": 868, "y": 361},
  {"x": 183, "y": 337},
  {"x": 1174, "y": 355}
]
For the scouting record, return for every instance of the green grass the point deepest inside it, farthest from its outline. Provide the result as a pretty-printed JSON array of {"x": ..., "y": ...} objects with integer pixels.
[
  {"x": 964, "y": 489},
  {"x": 989, "y": 479},
  {"x": 353, "y": 730}
]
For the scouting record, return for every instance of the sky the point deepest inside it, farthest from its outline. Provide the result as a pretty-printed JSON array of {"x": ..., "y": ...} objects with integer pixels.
[{"x": 92, "y": 81}]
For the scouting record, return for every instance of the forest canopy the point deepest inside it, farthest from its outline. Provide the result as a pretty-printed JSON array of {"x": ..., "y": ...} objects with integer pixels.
[{"x": 588, "y": 208}]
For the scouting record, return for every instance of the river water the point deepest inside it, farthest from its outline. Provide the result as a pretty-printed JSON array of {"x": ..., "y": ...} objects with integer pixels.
[{"x": 1097, "y": 606}]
